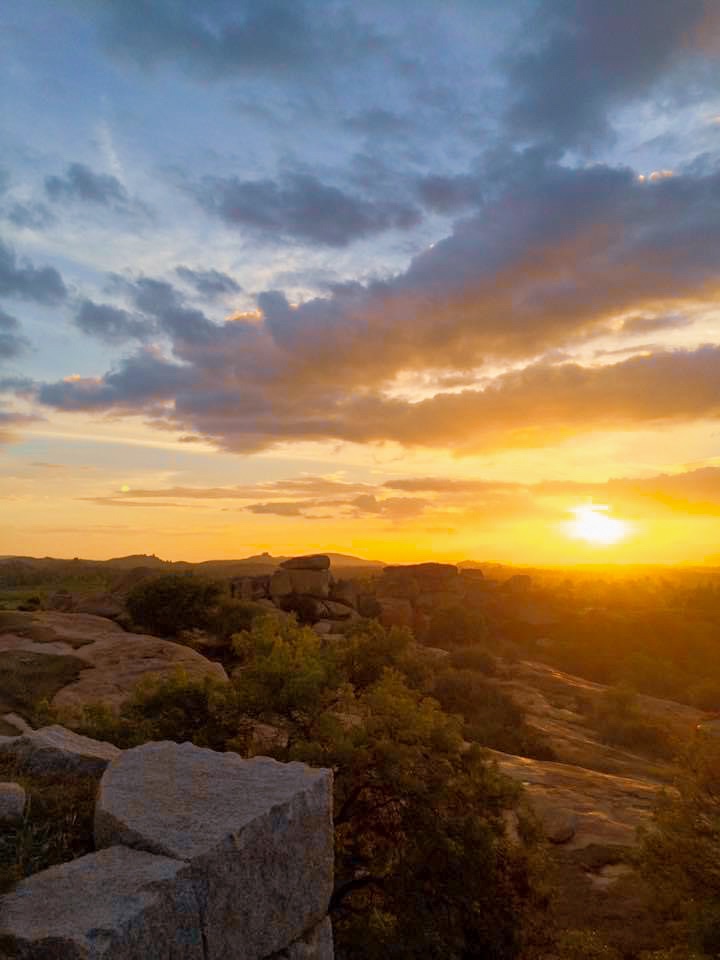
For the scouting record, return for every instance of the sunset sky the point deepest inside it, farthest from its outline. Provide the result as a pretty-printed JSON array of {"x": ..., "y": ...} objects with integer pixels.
[{"x": 403, "y": 280}]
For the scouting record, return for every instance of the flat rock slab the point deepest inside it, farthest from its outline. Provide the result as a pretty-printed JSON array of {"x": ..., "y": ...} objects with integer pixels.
[
  {"x": 603, "y": 808},
  {"x": 12, "y": 803},
  {"x": 57, "y": 750},
  {"x": 116, "y": 904},
  {"x": 257, "y": 835}
]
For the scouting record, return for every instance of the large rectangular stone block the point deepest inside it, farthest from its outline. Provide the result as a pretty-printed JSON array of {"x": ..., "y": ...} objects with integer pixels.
[
  {"x": 256, "y": 834},
  {"x": 117, "y": 904}
]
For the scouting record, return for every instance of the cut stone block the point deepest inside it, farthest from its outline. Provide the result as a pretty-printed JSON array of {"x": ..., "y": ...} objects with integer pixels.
[
  {"x": 257, "y": 835},
  {"x": 57, "y": 750},
  {"x": 117, "y": 904}
]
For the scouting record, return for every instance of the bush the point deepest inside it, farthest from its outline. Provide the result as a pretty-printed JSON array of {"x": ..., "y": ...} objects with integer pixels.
[
  {"x": 491, "y": 717},
  {"x": 456, "y": 626},
  {"x": 165, "y": 605},
  {"x": 474, "y": 658},
  {"x": 234, "y": 616},
  {"x": 619, "y": 721}
]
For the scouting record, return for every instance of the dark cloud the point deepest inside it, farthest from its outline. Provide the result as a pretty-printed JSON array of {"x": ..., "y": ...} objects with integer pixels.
[
  {"x": 556, "y": 255},
  {"x": 210, "y": 283},
  {"x": 138, "y": 379},
  {"x": 19, "y": 278},
  {"x": 29, "y": 215},
  {"x": 450, "y": 194},
  {"x": 576, "y": 60},
  {"x": 301, "y": 208},
  {"x": 12, "y": 343},
  {"x": 109, "y": 323},
  {"x": 81, "y": 183},
  {"x": 238, "y": 37}
]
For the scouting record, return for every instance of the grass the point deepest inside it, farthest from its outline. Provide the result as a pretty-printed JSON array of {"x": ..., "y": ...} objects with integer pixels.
[
  {"x": 57, "y": 826},
  {"x": 27, "y": 678}
]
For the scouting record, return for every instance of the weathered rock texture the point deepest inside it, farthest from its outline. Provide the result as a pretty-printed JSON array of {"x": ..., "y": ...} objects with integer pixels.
[
  {"x": 202, "y": 856},
  {"x": 57, "y": 750},
  {"x": 117, "y": 904},
  {"x": 257, "y": 835},
  {"x": 115, "y": 660},
  {"x": 12, "y": 803}
]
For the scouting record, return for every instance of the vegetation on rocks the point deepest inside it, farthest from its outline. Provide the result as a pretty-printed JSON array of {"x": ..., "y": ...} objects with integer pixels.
[{"x": 165, "y": 605}]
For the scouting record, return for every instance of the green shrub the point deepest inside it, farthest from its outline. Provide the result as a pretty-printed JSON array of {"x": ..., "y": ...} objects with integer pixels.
[
  {"x": 456, "y": 626},
  {"x": 233, "y": 616},
  {"x": 165, "y": 605},
  {"x": 474, "y": 658},
  {"x": 491, "y": 717},
  {"x": 618, "y": 720}
]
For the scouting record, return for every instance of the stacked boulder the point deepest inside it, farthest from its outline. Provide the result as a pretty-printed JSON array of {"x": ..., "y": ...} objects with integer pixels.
[
  {"x": 198, "y": 856},
  {"x": 408, "y": 594},
  {"x": 306, "y": 586}
]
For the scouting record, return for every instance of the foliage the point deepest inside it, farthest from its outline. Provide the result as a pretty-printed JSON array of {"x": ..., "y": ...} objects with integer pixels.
[
  {"x": 418, "y": 816},
  {"x": 491, "y": 717},
  {"x": 232, "y": 616},
  {"x": 27, "y": 678},
  {"x": 680, "y": 853},
  {"x": 57, "y": 825},
  {"x": 474, "y": 658},
  {"x": 584, "y": 945},
  {"x": 206, "y": 712},
  {"x": 165, "y": 605},
  {"x": 617, "y": 717},
  {"x": 455, "y": 626}
]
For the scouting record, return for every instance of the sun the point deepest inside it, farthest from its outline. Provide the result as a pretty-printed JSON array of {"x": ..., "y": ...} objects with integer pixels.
[{"x": 593, "y": 525}]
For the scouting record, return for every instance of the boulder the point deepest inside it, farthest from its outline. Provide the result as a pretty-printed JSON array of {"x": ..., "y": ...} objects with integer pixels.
[
  {"x": 102, "y": 605},
  {"x": 339, "y": 611},
  {"x": 252, "y": 832},
  {"x": 57, "y": 750},
  {"x": 12, "y": 803},
  {"x": 114, "y": 661},
  {"x": 559, "y": 825},
  {"x": 323, "y": 627},
  {"x": 61, "y": 600},
  {"x": 314, "y": 583},
  {"x": 317, "y": 944},
  {"x": 280, "y": 584},
  {"x": 345, "y": 591},
  {"x": 315, "y": 561},
  {"x": 396, "y": 613},
  {"x": 116, "y": 904},
  {"x": 438, "y": 600}
]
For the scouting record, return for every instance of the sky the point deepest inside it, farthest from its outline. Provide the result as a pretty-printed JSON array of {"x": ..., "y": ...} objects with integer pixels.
[{"x": 414, "y": 281}]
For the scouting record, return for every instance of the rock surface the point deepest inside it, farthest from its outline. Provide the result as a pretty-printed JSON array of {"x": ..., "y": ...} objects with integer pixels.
[
  {"x": 12, "y": 803},
  {"x": 57, "y": 750},
  {"x": 115, "y": 660},
  {"x": 252, "y": 831},
  {"x": 602, "y": 808},
  {"x": 118, "y": 904},
  {"x": 315, "y": 945}
]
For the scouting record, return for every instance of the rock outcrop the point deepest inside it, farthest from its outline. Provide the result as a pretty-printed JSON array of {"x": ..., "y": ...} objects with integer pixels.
[
  {"x": 114, "y": 660},
  {"x": 199, "y": 856},
  {"x": 58, "y": 750},
  {"x": 12, "y": 803}
]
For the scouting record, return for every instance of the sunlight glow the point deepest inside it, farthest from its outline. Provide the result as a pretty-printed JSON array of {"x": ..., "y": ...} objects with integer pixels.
[{"x": 592, "y": 524}]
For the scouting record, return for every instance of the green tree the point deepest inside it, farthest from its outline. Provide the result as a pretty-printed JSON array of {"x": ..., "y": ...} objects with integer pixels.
[
  {"x": 456, "y": 626},
  {"x": 680, "y": 853},
  {"x": 165, "y": 605}
]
